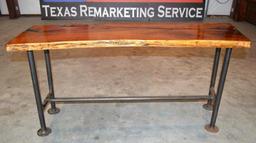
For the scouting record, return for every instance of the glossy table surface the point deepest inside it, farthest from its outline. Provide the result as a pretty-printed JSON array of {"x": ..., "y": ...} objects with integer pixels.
[{"x": 129, "y": 34}]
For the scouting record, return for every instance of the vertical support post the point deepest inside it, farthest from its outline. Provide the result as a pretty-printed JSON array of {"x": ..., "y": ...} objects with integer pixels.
[
  {"x": 209, "y": 104},
  {"x": 53, "y": 109},
  {"x": 43, "y": 131},
  {"x": 211, "y": 127}
]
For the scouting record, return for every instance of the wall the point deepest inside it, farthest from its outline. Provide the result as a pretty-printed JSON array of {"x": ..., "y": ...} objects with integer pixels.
[
  {"x": 219, "y": 7},
  {"x": 3, "y": 7},
  {"x": 33, "y": 7},
  {"x": 26, "y": 6}
]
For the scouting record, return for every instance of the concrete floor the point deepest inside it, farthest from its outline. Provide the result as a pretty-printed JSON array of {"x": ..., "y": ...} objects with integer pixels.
[{"x": 127, "y": 72}]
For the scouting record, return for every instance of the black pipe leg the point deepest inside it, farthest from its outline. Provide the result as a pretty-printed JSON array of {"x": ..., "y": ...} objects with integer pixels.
[
  {"x": 43, "y": 131},
  {"x": 53, "y": 109},
  {"x": 209, "y": 104},
  {"x": 212, "y": 127}
]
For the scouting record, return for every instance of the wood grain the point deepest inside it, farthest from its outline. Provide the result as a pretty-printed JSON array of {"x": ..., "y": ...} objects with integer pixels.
[{"x": 129, "y": 34}]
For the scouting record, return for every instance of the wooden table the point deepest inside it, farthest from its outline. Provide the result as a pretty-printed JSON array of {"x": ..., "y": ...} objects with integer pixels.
[{"x": 127, "y": 34}]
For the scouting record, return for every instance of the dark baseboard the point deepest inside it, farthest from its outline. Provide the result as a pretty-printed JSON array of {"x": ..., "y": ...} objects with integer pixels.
[
  {"x": 26, "y": 15},
  {"x": 4, "y": 15}
]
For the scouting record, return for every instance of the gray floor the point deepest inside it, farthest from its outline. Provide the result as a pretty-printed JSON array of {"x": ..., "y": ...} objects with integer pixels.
[{"x": 127, "y": 72}]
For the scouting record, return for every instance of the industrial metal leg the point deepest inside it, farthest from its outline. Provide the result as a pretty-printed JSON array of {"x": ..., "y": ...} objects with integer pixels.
[
  {"x": 43, "y": 131},
  {"x": 211, "y": 127},
  {"x": 53, "y": 109},
  {"x": 209, "y": 104}
]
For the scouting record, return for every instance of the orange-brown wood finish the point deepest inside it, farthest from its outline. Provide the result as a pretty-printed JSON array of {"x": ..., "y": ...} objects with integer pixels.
[{"x": 129, "y": 34}]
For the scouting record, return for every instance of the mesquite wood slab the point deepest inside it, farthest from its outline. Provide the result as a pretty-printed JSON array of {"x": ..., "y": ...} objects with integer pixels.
[{"x": 129, "y": 34}]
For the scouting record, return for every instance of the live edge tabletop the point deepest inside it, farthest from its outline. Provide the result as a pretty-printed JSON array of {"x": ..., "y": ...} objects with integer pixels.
[{"x": 129, "y": 34}]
